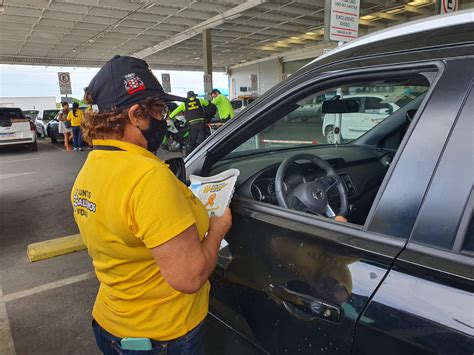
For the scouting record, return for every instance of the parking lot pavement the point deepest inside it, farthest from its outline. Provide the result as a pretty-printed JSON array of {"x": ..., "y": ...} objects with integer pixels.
[{"x": 45, "y": 307}]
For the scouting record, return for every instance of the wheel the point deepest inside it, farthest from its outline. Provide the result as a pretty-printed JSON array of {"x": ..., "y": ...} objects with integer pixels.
[
  {"x": 330, "y": 135},
  {"x": 39, "y": 134},
  {"x": 54, "y": 139},
  {"x": 33, "y": 147}
]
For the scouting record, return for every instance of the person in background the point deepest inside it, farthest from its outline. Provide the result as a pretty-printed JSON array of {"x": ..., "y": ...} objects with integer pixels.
[
  {"x": 223, "y": 105},
  {"x": 195, "y": 117},
  {"x": 75, "y": 117},
  {"x": 64, "y": 126},
  {"x": 152, "y": 243}
]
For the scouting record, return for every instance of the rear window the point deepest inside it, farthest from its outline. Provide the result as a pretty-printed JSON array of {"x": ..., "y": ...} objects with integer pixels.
[
  {"x": 31, "y": 113},
  {"x": 10, "y": 113}
]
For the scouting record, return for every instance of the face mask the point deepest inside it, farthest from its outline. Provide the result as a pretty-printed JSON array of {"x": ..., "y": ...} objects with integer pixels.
[{"x": 155, "y": 134}]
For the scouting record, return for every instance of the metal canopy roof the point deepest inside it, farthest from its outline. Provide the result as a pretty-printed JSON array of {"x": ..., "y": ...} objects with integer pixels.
[{"x": 167, "y": 32}]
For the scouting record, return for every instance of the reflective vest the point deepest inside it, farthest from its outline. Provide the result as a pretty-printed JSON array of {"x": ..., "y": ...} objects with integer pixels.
[{"x": 193, "y": 110}]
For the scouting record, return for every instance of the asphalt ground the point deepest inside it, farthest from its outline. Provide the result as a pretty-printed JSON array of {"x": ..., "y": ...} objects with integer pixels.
[{"x": 45, "y": 307}]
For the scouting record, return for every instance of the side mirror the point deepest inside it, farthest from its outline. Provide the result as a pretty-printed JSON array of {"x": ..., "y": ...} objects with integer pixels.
[
  {"x": 341, "y": 106},
  {"x": 178, "y": 168}
]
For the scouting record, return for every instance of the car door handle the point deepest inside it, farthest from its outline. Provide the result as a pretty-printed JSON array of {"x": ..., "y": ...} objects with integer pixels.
[{"x": 304, "y": 307}]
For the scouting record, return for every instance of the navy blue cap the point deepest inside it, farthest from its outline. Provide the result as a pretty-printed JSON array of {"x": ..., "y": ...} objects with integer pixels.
[{"x": 124, "y": 81}]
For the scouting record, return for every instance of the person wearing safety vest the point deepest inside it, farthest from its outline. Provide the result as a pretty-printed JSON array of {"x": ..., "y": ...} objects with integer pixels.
[
  {"x": 223, "y": 105},
  {"x": 195, "y": 117}
]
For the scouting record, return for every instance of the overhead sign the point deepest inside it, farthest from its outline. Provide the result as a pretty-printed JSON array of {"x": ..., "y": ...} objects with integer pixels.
[
  {"x": 207, "y": 83},
  {"x": 166, "y": 82},
  {"x": 64, "y": 83},
  {"x": 253, "y": 82},
  {"x": 344, "y": 24},
  {"x": 448, "y": 6}
]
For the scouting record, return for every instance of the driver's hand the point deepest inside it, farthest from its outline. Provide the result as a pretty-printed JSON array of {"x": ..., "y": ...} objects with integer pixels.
[{"x": 341, "y": 219}]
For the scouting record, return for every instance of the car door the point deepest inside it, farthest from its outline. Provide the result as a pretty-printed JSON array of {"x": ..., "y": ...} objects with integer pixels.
[
  {"x": 438, "y": 263},
  {"x": 293, "y": 283}
]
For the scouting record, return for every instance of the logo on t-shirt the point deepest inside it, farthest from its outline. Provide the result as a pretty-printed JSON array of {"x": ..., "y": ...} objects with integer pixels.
[{"x": 83, "y": 203}]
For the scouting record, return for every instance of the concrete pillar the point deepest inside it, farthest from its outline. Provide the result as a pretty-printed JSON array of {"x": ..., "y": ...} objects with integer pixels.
[
  {"x": 327, "y": 19},
  {"x": 207, "y": 52}
]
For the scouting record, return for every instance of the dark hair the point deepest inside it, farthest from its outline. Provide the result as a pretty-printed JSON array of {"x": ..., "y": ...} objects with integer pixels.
[
  {"x": 75, "y": 106},
  {"x": 215, "y": 91},
  {"x": 102, "y": 125},
  {"x": 64, "y": 103}
]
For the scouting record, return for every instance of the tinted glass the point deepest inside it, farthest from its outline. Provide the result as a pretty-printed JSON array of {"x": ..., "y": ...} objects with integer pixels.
[
  {"x": 469, "y": 239},
  {"x": 31, "y": 113},
  {"x": 10, "y": 113},
  {"x": 48, "y": 115}
]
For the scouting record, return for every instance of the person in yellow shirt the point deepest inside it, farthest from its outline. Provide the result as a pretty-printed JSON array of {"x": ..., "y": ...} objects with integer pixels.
[
  {"x": 151, "y": 241},
  {"x": 75, "y": 117}
]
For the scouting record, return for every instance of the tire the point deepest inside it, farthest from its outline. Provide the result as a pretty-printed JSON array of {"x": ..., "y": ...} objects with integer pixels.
[
  {"x": 54, "y": 139},
  {"x": 329, "y": 134},
  {"x": 33, "y": 147},
  {"x": 39, "y": 134}
]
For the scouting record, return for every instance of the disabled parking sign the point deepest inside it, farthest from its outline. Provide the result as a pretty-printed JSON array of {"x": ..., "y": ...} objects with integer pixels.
[{"x": 64, "y": 79}]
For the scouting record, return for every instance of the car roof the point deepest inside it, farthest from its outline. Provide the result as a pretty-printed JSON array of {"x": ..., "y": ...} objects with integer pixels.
[{"x": 427, "y": 30}]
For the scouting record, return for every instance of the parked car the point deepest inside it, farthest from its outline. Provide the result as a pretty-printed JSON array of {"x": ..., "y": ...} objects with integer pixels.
[
  {"x": 16, "y": 129},
  {"x": 31, "y": 114},
  {"x": 397, "y": 278},
  {"x": 372, "y": 110},
  {"x": 241, "y": 102},
  {"x": 42, "y": 119}
]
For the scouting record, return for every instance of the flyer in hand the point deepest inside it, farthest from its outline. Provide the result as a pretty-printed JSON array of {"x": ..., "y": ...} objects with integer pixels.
[{"x": 215, "y": 192}]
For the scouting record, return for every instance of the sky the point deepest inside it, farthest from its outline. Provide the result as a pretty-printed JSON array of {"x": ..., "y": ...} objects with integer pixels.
[{"x": 27, "y": 80}]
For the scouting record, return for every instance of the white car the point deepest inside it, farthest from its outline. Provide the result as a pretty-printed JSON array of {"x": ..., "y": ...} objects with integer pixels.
[
  {"x": 372, "y": 110},
  {"x": 16, "y": 129},
  {"x": 42, "y": 119},
  {"x": 241, "y": 102}
]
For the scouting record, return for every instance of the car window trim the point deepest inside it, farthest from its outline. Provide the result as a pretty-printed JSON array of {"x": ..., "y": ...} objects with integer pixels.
[{"x": 464, "y": 225}]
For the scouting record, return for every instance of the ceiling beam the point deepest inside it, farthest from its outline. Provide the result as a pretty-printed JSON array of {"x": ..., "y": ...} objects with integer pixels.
[{"x": 197, "y": 29}]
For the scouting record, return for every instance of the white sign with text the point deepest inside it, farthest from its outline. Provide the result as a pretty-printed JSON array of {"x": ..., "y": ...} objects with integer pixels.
[{"x": 344, "y": 24}]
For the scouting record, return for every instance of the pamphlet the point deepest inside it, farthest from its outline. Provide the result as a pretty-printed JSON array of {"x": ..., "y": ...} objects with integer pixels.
[{"x": 215, "y": 192}]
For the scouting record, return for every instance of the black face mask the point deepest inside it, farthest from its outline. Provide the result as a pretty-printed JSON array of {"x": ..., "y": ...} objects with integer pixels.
[{"x": 155, "y": 134}]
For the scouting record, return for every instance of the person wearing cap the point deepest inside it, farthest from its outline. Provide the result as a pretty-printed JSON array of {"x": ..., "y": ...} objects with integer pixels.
[
  {"x": 195, "y": 117},
  {"x": 223, "y": 105},
  {"x": 142, "y": 227}
]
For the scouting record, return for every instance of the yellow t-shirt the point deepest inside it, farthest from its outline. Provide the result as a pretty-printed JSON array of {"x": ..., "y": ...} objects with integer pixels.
[
  {"x": 126, "y": 203},
  {"x": 75, "y": 120}
]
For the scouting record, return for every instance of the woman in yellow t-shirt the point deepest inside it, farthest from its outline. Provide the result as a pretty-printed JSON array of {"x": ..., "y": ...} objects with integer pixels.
[
  {"x": 75, "y": 117},
  {"x": 152, "y": 243}
]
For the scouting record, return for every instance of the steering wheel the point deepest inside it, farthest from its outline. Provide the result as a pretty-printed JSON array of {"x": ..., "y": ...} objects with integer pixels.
[{"x": 311, "y": 196}]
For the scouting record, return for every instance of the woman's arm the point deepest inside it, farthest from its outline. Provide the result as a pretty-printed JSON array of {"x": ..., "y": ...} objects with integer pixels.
[{"x": 185, "y": 262}]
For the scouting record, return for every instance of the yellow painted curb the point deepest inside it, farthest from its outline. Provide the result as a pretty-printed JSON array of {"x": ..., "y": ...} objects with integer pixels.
[{"x": 55, "y": 247}]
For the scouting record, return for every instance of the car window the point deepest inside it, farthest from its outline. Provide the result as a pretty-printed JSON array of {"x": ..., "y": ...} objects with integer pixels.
[
  {"x": 31, "y": 113},
  {"x": 326, "y": 121},
  {"x": 48, "y": 115},
  {"x": 6, "y": 114},
  {"x": 307, "y": 124}
]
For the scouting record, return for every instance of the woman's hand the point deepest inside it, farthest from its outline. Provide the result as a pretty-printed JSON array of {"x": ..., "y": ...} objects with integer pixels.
[{"x": 221, "y": 225}]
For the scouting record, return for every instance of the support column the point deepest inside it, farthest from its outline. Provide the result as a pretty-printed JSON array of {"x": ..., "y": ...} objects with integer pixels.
[
  {"x": 327, "y": 20},
  {"x": 207, "y": 56}
]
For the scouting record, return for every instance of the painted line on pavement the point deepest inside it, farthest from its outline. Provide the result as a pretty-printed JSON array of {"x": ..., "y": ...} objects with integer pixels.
[
  {"x": 18, "y": 160},
  {"x": 9, "y": 176},
  {"x": 46, "y": 287},
  {"x": 7, "y": 347}
]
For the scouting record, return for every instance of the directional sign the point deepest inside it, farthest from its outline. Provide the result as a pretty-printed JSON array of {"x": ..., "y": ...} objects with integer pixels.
[
  {"x": 64, "y": 83},
  {"x": 166, "y": 82},
  {"x": 207, "y": 83},
  {"x": 344, "y": 25},
  {"x": 448, "y": 6}
]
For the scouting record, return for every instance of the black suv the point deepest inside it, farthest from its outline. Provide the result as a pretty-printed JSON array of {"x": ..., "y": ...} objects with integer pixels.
[{"x": 397, "y": 278}]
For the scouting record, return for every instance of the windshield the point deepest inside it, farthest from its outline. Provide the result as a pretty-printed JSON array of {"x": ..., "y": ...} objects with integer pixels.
[
  {"x": 335, "y": 116},
  {"x": 48, "y": 115},
  {"x": 31, "y": 113}
]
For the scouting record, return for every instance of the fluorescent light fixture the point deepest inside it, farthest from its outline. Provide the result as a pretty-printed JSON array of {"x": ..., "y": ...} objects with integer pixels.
[
  {"x": 310, "y": 33},
  {"x": 295, "y": 38},
  {"x": 395, "y": 11},
  {"x": 368, "y": 17},
  {"x": 232, "y": 17},
  {"x": 149, "y": 6},
  {"x": 420, "y": 2}
]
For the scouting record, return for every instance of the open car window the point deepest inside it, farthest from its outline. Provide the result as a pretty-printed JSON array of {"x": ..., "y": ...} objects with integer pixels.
[{"x": 309, "y": 125}]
